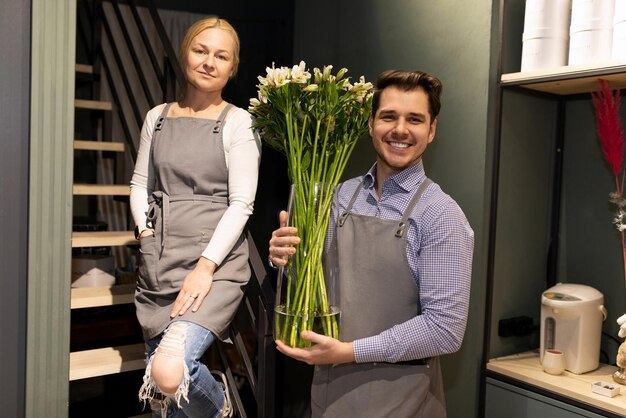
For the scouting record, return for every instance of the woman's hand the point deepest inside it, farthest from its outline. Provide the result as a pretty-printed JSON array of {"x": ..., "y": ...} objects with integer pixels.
[
  {"x": 283, "y": 241},
  {"x": 325, "y": 350},
  {"x": 146, "y": 233},
  {"x": 195, "y": 287}
]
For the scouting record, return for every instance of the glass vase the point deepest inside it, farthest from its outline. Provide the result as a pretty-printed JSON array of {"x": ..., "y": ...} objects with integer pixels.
[{"x": 306, "y": 291}]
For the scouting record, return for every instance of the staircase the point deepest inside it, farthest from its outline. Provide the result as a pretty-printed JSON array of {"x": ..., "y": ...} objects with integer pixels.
[
  {"x": 95, "y": 322},
  {"x": 107, "y": 351}
]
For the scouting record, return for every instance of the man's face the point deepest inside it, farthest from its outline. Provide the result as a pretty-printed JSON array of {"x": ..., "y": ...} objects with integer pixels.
[{"x": 401, "y": 130}]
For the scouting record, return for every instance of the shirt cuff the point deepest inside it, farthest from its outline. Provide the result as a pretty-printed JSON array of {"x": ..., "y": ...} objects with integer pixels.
[
  {"x": 370, "y": 350},
  {"x": 361, "y": 354},
  {"x": 269, "y": 262}
]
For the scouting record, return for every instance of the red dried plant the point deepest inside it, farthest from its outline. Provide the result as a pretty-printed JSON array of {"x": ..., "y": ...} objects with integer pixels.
[
  {"x": 609, "y": 128},
  {"x": 611, "y": 135}
]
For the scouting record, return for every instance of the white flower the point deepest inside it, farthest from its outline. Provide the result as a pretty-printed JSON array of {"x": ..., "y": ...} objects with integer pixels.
[
  {"x": 620, "y": 220},
  {"x": 361, "y": 85},
  {"x": 323, "y": 74},
  {"x": 299, "y": 74},
  {"x": 311, "y": 87},
  {"x": 278, "y": 76},
  {"x": 275, "y": 77},
  {"x": 254, "y": 103}
]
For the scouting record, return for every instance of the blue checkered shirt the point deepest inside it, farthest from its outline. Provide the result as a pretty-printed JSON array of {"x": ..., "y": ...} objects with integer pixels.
[{"x": 440, "y": 244}]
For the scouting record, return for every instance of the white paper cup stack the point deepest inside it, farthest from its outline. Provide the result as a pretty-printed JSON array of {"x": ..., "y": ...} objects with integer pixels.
[
  {"x": 619, "y": 31},
  {"x": 591, "y": 31},
  {"x": 545, "y": 39}
]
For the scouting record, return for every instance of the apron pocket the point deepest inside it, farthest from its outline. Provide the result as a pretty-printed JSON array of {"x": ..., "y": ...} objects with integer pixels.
[{"x": 147, "y": 263}]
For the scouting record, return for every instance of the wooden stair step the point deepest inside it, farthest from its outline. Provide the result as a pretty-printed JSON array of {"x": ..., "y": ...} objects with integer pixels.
[
  {"x": 92, "y": 104},
  {"x": 104, "y": 361},
  {"x": 101, "y": 189},
  {"x": 99, "y": 146},
  {"x": 88, "y": 297},
  {"x": 84, "y": 68},
  {"x": 103, "y": 239}
]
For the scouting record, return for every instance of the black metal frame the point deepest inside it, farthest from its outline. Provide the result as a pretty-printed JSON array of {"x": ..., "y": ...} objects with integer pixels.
[{"x": 261, "y": 382}]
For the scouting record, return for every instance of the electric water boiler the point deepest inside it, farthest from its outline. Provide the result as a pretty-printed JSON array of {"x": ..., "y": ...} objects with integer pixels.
[{"x": 571, "y": 321}]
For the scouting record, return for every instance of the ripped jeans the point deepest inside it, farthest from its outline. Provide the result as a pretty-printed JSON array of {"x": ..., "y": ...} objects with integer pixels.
[{"x": 198, "y": 394}]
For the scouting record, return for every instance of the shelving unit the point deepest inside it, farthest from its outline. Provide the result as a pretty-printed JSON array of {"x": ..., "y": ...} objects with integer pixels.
[
  {"x": 567, "y": 80},
  {"x": 105, "y": 337},
  {"x": 525, "y": 368},
  {"x": 529, "y": 208},
  {"x": 108, "y": 360},
  {"x": 90, "y": 297}
]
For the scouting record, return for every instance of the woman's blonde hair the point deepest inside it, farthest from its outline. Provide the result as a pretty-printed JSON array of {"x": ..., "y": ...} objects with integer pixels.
[{"x": 201, "y": 25}]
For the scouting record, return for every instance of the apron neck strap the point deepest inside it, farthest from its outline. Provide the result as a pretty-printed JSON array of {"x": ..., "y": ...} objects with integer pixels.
[
  {"x": 222, "y": 118},
  {"x": 407, "y": 212},
  {"x": 344, "y": 215},
  {"x": 159, "y": 122}
]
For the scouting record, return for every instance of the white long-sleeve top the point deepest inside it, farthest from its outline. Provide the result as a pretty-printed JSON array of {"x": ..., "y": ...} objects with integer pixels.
[{"x": 242, "y": 149}]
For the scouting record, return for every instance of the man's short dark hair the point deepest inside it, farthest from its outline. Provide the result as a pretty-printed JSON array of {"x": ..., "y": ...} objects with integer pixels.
[{"x": 408, "y": 81}]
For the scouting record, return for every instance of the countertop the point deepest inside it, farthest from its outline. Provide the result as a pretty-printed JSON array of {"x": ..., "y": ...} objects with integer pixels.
[{"x": 526, "y": 368}]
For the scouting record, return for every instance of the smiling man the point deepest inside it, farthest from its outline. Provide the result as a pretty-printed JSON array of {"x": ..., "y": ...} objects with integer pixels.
[{"x": 405, "y": 258}]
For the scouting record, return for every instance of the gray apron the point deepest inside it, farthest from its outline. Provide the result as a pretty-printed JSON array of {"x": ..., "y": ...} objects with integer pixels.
[
  {"x": 376, "y": 292},
  {"x": 190, "y": 197}
]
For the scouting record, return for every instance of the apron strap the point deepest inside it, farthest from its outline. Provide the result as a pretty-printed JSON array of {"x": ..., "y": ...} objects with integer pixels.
[
  {"x": 407, "y": 212},
  {"x": 159, "y": 122},
  {"x": 222, "y": 118},
  {"x": 344, "y": 215},
  {"x": 161, "y": 199},
  {"x": 157, "y": 128},
  {"x": 404, "y": 221}
]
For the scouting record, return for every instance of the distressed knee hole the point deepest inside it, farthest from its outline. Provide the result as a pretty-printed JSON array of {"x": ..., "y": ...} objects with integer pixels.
[{"x": 168, "y": 364}]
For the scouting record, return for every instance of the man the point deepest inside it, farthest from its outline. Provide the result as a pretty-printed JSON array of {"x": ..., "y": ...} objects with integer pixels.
[{"x": 404, "y": 296}]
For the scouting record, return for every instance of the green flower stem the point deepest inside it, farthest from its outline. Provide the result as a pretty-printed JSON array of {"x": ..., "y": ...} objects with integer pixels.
[
  {"x": 311, "y": 217},
  {"x": 310, "y": 295}
]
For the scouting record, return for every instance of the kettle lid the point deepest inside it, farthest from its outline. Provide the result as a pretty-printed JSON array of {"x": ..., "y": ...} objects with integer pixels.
[{"x": 570, "y": 292}]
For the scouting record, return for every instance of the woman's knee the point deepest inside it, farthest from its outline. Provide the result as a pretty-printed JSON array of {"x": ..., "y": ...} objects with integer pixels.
[{"x": 168, "y": 363}]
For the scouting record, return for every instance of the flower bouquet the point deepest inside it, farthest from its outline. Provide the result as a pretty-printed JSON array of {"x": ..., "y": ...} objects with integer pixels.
[{"x": 315, "y": 121}]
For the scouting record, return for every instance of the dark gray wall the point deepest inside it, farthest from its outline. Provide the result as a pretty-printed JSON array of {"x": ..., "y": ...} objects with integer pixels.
[
  {"x": 590, "y": 249},
  {"x": 451, "y": 39},
  {"x": 14, "y": 119}
]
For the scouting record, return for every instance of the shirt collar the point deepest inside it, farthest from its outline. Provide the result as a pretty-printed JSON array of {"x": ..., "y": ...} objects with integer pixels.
[{"x": 407, "y": 179}]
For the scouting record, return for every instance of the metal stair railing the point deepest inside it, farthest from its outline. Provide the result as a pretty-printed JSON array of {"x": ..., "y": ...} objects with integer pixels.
[{"x": 263, "y": 381}]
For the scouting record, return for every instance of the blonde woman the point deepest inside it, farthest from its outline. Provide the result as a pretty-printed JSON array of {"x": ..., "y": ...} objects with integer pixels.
[{"x": 192, "y": 193}]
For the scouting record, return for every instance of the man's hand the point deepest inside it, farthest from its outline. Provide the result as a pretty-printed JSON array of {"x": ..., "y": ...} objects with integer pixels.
[
  {"x": 283, "y": 241},
  {"x": 325, "y": 350}
]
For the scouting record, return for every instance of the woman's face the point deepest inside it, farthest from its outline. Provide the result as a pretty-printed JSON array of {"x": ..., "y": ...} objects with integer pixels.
[{"x": 210, "y": 60}]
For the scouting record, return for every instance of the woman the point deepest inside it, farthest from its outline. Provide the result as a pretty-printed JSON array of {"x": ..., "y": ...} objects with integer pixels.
[{"x": 191, "y": 194}]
